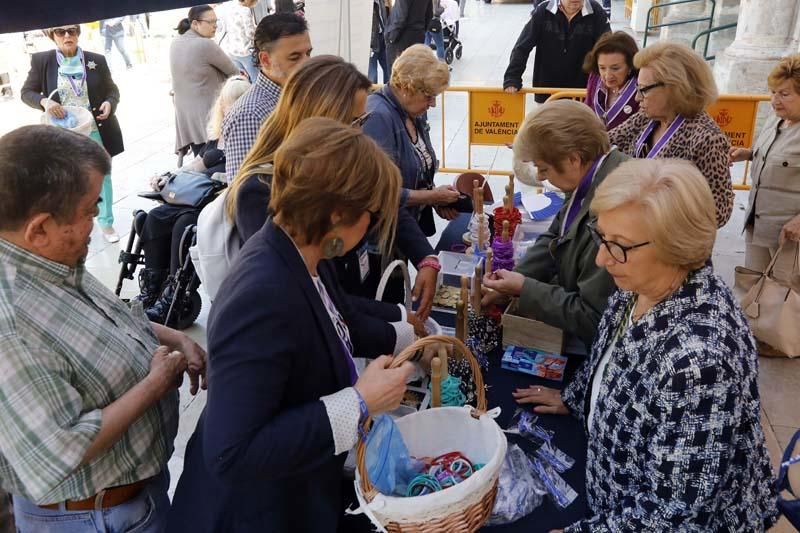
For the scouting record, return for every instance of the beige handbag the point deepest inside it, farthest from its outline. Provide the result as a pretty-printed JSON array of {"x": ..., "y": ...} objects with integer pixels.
[{"x": 771, "y": 307}]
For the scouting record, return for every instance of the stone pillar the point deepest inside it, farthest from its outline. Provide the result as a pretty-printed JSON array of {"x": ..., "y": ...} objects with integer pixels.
[
  {"x": 341, "y": 27},
  {"x": 766, "y": 32}
]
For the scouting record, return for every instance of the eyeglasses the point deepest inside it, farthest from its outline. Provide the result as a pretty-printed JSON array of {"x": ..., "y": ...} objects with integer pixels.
[
  {"x": 211, "y": 22},
  {"x": 63, "y": 31},
  {"x": 642, "y": 91},
  {"x": 360, "y": 120},
  {"x": 616, "y": 250}
]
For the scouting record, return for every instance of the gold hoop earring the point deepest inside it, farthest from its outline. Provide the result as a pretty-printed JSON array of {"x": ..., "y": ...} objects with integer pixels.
[{"x": 332, "y": 247}]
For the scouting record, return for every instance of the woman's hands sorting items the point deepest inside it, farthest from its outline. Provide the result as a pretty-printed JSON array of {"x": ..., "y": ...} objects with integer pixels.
[
  {"x": 382, "y": 388},
  {"x": 547, "y": 400}
]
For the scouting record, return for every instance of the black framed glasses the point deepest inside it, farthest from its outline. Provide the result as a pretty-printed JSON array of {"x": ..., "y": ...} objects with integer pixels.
[
  {"x": 642, "y": 91},
  {"x": 619, "y": 252},
  {"x": 63, "y": 31},
  {"x": 360, "y": 120}
]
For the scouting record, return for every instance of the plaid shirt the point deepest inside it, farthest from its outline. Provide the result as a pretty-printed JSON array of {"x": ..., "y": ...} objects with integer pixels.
[
  {"x": 69, "y": 348},
  {"x": 242, "y": 122}
]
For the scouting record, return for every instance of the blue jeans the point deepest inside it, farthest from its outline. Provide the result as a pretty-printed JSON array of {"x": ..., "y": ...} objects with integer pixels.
[
  {"x": 147, "y": 513},
  {"x": 438, "y": 38},
  {"x": 118, "y": 38},
  {"x": 245, "y": 63},
  {"x": 375, "y": 58}
]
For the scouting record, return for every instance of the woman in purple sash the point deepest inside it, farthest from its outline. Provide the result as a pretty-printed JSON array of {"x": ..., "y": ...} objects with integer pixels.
[
  {"x": 674, "y": 87},
  {"x": 611, "y": 91}
]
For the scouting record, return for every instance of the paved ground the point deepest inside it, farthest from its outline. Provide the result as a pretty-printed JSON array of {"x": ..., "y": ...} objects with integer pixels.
[{"x": 488, "y": 34}]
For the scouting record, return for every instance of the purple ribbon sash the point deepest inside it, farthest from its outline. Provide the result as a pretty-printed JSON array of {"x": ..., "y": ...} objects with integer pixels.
[
  {"x": 580, "y": 193},
  {"x": 628, "y": 92},
  {"x": 673, "y": 128}
]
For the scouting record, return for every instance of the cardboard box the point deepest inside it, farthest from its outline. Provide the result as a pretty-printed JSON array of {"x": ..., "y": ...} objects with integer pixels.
[{"x": 530, "y": 333}]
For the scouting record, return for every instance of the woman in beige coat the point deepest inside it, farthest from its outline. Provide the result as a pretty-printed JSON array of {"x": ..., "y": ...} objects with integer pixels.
[
  {"x": 199, "y": 68},
  {"x": 773, "y": 211}
]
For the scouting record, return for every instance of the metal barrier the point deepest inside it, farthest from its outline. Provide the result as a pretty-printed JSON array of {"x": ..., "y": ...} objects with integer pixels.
[
  {"x": 709, "y": 32},
  {"x": 735, "y": 114},
  {"x": 709, "y": 18}
]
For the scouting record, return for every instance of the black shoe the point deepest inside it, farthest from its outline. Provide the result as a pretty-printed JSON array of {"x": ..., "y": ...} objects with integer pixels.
[{"x": 150, "y": 282}]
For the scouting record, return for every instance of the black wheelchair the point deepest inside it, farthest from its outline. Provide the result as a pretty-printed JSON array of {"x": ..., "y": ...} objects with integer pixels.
[{"x": 179, "y": 289}]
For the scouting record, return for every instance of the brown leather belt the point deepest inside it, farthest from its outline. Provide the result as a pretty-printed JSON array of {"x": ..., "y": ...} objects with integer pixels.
[{"x": 104, "y": 499}]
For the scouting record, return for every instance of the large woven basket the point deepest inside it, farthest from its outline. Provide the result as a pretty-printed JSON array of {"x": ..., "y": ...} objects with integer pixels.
[
  {"x": 431, "y": 325},
  {"x": 464, "y": 507}
]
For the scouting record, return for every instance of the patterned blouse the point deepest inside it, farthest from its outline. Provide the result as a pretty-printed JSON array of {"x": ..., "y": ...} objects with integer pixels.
[
  {"x": 698, "y": 140},
  {"x": 676, "y": 443}
]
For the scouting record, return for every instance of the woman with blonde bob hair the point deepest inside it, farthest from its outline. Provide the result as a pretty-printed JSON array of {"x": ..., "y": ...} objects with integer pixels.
[
  {"x": 772, "y": 219},
  {"x": 324, "y": 86},
  {"x": 287, "y": 400},
  {"x": 674, "y": 87},
  {"x": 669, "y": 395}
]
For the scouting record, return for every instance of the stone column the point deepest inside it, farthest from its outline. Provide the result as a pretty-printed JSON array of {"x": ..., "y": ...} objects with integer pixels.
[
  {"x": 766, "y": 32},
  {"x": 341, "y": 27}
]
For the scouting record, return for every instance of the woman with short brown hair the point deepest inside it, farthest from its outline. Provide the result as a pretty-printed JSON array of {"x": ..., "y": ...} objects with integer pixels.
[
  {"x": 286, "y": 400},
  {"x": 611, "y": 90}
]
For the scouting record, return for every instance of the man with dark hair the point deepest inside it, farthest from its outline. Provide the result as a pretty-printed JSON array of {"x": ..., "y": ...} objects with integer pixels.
[
  {"x": 563, "y": 32},
  {"x": 281, "y": 44},
  {"x": 89, "y": 406}
]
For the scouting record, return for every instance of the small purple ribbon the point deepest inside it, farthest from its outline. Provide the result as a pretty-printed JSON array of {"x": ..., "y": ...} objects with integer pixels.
[{"x": 673, "y": 128}]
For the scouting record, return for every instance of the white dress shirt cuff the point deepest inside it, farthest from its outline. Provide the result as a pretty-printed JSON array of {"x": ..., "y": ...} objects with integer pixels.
[{"x": 344, "y": 412}]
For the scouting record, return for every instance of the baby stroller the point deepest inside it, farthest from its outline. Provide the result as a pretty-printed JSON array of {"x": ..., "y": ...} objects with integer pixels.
[
  {"x": 447, "y": 23},
  {"x": 185, "y": 303},
  {"x": 452, "y": 46}
]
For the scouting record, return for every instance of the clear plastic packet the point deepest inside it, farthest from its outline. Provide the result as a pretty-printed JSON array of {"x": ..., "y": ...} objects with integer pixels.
[
  {"x": 560, "y": 461},
  {"x": 558, "y": 489},
  {"x": 518, "y": 490},
  {"x": 525, "y": 424}
]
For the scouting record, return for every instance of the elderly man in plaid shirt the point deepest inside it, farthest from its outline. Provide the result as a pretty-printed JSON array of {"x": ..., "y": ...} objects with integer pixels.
[
  {"x": 88, "y": 387},
  {"x": 281, "y": 44}
]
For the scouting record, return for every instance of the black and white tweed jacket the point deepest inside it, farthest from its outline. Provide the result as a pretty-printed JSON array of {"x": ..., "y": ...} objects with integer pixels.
[{"x": 676, "y": 442}]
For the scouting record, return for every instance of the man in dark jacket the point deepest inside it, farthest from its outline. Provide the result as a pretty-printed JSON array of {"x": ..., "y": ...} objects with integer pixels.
[
  {"x": 408, "y": 22},
  {"x": 377, "y": 43},
  {"x": 563, "y": 32}
]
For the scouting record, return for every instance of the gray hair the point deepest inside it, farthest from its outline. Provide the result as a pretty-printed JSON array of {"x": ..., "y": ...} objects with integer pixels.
[{"x": 45, "y": 169}]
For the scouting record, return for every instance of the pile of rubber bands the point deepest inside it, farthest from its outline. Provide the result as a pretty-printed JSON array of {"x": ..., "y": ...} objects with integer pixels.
[{"x": 440, "y": 473}]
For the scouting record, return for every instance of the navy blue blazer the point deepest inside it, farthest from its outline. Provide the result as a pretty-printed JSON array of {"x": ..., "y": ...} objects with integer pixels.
[
  {"x": 261, "y": 458},
  {"x": 43, "y": 80}
]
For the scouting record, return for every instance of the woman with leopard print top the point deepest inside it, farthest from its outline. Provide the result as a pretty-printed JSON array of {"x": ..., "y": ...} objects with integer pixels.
[
  {"x": 675, "y": 85},
  {"x": 669, "y": 395}
]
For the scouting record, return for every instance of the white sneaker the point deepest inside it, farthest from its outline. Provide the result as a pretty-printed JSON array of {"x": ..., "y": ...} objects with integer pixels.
[{"x": 110, "y": 235}]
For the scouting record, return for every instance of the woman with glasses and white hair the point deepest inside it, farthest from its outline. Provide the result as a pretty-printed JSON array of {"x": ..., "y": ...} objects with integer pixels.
[
  {"x": 674, "y": 87},
  {"x": 199, "y": 68},
  {"x": 557, "y": 281},
  {"x": 669, "y": 396},
  {"x": 70, "y": 76}
]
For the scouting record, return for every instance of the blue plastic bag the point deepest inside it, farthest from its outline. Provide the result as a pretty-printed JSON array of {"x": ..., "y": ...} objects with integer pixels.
[
  {"x": 389, "y": 466},
  {"x": 68, "y": 122}
]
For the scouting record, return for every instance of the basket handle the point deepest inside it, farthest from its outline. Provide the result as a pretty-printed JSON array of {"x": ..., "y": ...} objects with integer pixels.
[
  {"x": 387, "y": 274},
  {"x": 367, "y": 488}
]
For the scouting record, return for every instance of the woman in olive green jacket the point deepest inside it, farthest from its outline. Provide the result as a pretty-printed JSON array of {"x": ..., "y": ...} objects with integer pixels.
[{"x": 557, "y": 281}]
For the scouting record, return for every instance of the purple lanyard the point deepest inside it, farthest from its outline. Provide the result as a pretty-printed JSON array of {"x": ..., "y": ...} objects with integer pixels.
[
  {"x": 625, "y": 96},
  {"x": 77, "y": 89},
  {"x": 676, "y": 124},
  {"x": 580, "y": 193},
  {"x": 351, "y": 364}
]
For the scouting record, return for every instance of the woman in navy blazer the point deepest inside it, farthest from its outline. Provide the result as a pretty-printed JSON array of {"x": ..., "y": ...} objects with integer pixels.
[
  {"x": 70, "y": 76},
  {"x": 284, "y": 401}
]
